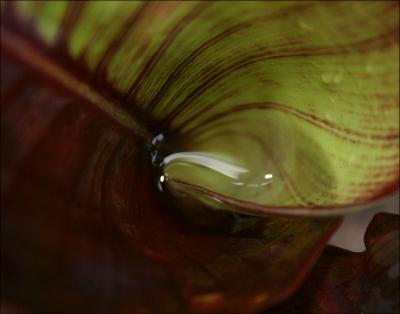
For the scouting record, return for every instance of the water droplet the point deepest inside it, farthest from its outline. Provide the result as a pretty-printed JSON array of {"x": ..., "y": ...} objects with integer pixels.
[
  {"x": 238, "y": 167},
  {"x": 305, "y": 25},
  {"x": 332, "y": 100},
  {"x": 214, "y": 172},
  {"x": 193, "y": 208},
  {"x": 327, "y": 116},
  {"x": 326, "y": 78},
  {"x": 337, "y": 78},
  {"x": 332, "y": 77},
  {"x": 225, "y": 170},
  {"x": 369, "y": 67}
]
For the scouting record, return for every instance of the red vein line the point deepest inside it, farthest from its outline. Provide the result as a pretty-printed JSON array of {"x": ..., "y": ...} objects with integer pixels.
[
  {"x": 129, "y": 25},
  {"x": 70, "y": 19},
  {"x": 379, "y": 42},
  {"x": 154, "y": 59},
  {"x": 251, "y": 208},
  {"x": 312, "y": 119},
  {"x": 39, "y": 62},
  {"x": 214, "y": 41}
]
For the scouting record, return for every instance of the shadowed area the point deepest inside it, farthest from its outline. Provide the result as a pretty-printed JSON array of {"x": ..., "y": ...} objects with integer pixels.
[{"x": 264, "y": 107}]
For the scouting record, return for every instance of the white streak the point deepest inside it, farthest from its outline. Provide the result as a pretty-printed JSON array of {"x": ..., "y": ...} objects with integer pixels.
[{"x": 207, "y": 160}]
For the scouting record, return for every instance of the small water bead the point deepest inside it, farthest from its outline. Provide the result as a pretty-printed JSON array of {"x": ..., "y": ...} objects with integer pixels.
[
  {"x": 266, "y": 160},
  {"x": 334, "y": 77},
  {"x": 212, "y": 172},
  {"x": 305, "y": 25},
  {"x": 369, "y": 67},
  {"x": 239, "y": 168},
  {"x": 214, "y": 168},
  {"x": 192, "y": 208}
]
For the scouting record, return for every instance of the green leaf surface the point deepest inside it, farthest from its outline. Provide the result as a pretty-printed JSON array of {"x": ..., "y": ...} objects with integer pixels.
[
  {"x": 84, "y": 230},
  {"x": 304, "y": 102},
  {"x": 259, "y": 107}
]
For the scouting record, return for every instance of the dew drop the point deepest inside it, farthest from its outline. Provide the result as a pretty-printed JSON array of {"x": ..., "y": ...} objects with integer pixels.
[
  {"x": 239, "y": 169},
  {"x": 193, "y": 208},
  {"x": 305, "y": 25},
  {"x": 326, "y": 78},
  {"x": 213, "y": 172},
  {"x": 332, "y": 77},
  {"x": 337, "y": 78},
  {"x": 369, "y": 68},
  {"x": 332, "y": 100}
]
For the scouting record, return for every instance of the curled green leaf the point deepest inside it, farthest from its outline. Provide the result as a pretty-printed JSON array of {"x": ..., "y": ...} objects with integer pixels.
[
  {"x": 257, "y": 107},
  {"x": 265, "y": 106}
]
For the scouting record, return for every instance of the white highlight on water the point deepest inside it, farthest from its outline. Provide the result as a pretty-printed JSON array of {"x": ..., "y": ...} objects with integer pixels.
[{"x": 210, "y": 161}]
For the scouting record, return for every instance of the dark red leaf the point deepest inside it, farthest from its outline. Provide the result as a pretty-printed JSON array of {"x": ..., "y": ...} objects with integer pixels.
[
  {"x": 346, "y": 282},
  {"x": 83, "y": 228}
]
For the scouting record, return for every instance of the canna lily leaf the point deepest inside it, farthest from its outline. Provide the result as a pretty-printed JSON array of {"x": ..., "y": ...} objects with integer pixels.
[
  {"x": 345, "y": 282},
  {"x": 313, "y": 97},
  {"x": 91, "y": 91},
  {"x": 83, "y": 228}
]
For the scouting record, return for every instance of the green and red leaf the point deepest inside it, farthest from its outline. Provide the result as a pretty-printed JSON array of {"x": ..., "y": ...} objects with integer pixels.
[
  {"x": 316, "y": 96},
  {"x": 283, "y": 90}
]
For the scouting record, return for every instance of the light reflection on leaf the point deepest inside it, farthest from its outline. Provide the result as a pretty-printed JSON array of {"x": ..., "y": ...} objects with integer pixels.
[{"x": 282, "y": 89}]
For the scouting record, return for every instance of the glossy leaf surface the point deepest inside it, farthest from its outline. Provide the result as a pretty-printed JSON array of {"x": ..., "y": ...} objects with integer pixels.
[
  {"x": 84, "y": 230},
  {"x": 345, "y": 282},
  {"x": 85, "y": 88},
  {"x": 314, "y": 98}
]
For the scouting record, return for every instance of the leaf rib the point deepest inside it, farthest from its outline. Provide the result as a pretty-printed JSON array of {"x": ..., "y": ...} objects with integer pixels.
[{"x": 39, "y": 62}]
